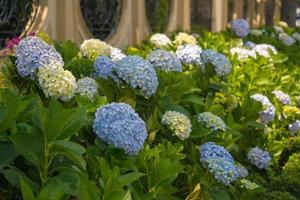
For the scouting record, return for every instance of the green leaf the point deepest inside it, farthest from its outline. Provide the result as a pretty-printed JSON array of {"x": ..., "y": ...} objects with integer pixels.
[
  {"x": 71, "y": 150},
  {"x": 120, "y": 195},
  {"x": 27, "y": 193},
  {"x": 129, "y": 178},
  {"x": 7, "y": 154},
  {"x": 54, "y": 190},
  {"x": 69, "y": 50}
]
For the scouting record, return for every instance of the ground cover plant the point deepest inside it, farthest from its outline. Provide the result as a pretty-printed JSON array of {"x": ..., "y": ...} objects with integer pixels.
[{"x": 181, "y": 116}]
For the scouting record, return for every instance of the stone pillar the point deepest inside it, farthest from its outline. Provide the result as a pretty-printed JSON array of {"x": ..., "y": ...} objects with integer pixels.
[
  {"x": 251, "y": 13},
  {"x": 260, "y": 16},
  {"x": 219, "y": 15},
  {"x": 180, "y": 16}
]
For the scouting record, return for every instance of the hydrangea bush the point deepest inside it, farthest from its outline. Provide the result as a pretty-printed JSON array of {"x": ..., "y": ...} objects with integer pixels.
[{"x": 178, "y": 114}]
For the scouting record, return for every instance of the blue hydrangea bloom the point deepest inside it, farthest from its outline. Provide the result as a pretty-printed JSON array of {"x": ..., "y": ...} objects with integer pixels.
[
  {"x": 259, "y": 158},
  {"x": 211, "y": 121},
  {"x": 284, "y": 98},
  {"x": 250, "y": 44},
  {"x": 240, "y": 27},
  {"x": 219, "y": 162},
  {"x": 223, "y": 171},
  {"x": 267, "y": 115},
  {"x": 189, "y": 54},
  {"x": 118, "y": 124},
  {"x": 104, "y": 67},
  {"x": 295, "y": 126},
  {"x": 32, "y": 53},
  {"x": 220, "y": 62},
  {"x": 210, "y": 150},
  {"x": 138, "y": 73},
  {"x": 164, "y": 60},
  {"x": 243, "y": 171}
]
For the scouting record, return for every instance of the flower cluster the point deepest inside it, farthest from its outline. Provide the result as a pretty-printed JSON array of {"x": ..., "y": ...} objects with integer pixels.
[
  {"x": 184, "y": 38},
  {"x": 177, "y": 122},
  {"x": 189, "y": 54},
  {"x": 32, "y": 53},
  {"x": 259, "y": 158},
  {"x": 211, "y": 121},
  {"x": 116, "y": 54},
  {"x": 87, "y": 87},
  {"x": 249, "y": 45},
  {"x": 160, "y": 40},
  {"x": 296, "y": 36},
  {"x": 256, "y": 32},
  {"x": 57, "y": 82},
  {"x": 240, "y": 27},
  {"x": 118, "y": 124},
  {"x": 219, "y": 162},
  {"x": 139, "y": 73},
  {"x": 93, "y": 48},
  {"x": 290, "y": 111},
  {"x": 248, "y": 184},
  {"x": 294, "y": 127},
  {"x": 286, "y": 39},
  {"x": 243, "y": 171},
  {"x": 104, "y": 67},
  {"x": 164, "y": 60},
  {"x": 264, "y": 50},
  {"x": 267, "y": 115},
  {"x": 242, "y": 53},
  {"x": 220, "y": 62},
  {"x": 278, "y": 29},
  {"x": 284, "y": 98}
]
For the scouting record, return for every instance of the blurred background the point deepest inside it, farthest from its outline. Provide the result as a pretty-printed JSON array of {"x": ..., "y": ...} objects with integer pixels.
[{"x": 128, "y": 22}]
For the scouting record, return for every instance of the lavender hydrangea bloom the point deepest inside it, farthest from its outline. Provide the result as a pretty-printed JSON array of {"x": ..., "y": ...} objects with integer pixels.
[
  {"x": 295, "y": 126},
  {"x": 219, "y": 162},
  {"x": 243, "y": 171},
  {"x": 210, "y": 150},
  {"x": 286, "y": 39},
  {"x": 259, "y": 158},
  {"x": 139, "y": 73},
  {"x": 211, "y": 121},
  {"x": 164, "y": 60},
  {"x": 220, "y": 62},
  {"x": 250, "y": 44},
  {"x": 240, "y": 27},
  {"x": 119, "y": 125},
  {"x": 32, "y": 53},
  {"x": 267, "y": 115},
  {"x": 284, "y": 98},
  {"x": 189, "y": 54},
  {"x": 87, "y": 87},
  {"x": 104, "y": 67}
]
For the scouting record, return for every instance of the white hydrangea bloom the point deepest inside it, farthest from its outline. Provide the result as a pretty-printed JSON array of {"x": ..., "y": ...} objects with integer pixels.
[{"x": 160, "y": 40}]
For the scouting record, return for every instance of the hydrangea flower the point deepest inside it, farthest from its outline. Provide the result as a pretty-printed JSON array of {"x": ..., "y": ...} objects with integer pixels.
[
  {"x": 219, "y": 162},
  {"x": 248, "y": 184},
  {"x": 282, "y": 24},
  {"x": 220, "y": 62},
  {"x": 184, "y": 38},
  {"x": 177, "y": 122},
  {"x": 164, "y": 60},
  {"x": 256, "y": 32},
  {"x": 295, "y": 126},
  {"x": 118, "y": 124},
  {"x": 211, "y": 121},
  {"x": 32, "y": 53},
  {"x": 250, "y": 45},
  {"x": 268, "y": 113},
  {"x": 104, "y": 67},
  {"x": 284, "y": 98},
  {"x": 242, "y": 53},
  {"x": 160, "y": 40},
  {"x": 189, "y": 54},
  {"x": 259, "y": 158},
  {"x": 57, "y": 82},
  {"x": 240, "y": 27},
  {"x": 116, "y": 54},
  {"x": 278, "y": 29},
  {"x": 265, "y": 50},
  {"x": 223, "y": 171},
  {"x": 93, "y": 48},
  {"x": 286, "y": 39},
  {"x": 210, "y": 150},
  {"x": 243, "y": 171},
  {"x": 138, "y": 73},
  {"x": 87, "y": 87},
  {"x": 296, "y": 36}
]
